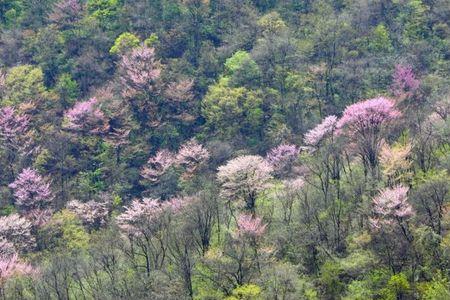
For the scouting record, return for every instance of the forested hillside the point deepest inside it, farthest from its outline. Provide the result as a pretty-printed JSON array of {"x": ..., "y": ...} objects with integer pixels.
[{"x": 225, "y": 149}]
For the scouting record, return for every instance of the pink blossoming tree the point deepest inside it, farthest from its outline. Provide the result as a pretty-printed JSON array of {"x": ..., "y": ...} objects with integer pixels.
[
  {"x": 140, "y": 71},
  {"x": 10, "y": 266},
  {"x": 243, "y": 178},
  {"x": 31, "y": 190},
  {"x": 363, "y": 122},
  {"x": 86, "y": 117},
  {"x": 66, "y": 12},
  {"x": 14, "y": 135},
  {"x": 17, "y": 230},
  {"x": 157, "y": 165},
  {"x": 249, "y": 226},
  {"x": 180, "y": 91},
  {"x": 191, "y": 156},
  {"x": 12, "y": 126},
  {"x": 39, "y": 217},
  {"x": 6, "y": 248},
  {"x": 404, "y": 82},
  {"x": 146, "y": 223},
  {"x": 321, "y": 131},
  {"x": 282, "y": 158},
  {"x": 391, "y": 206},
  {"x": 92, "y": 214}
]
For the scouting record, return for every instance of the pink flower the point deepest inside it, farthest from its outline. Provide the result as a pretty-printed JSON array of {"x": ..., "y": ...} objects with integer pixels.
[
  {"x": 282, "y": 157},
  {"x": 391, "y": 204},
  {"x": 85, "y": 116},
  {"x": 31, "y": 190},
  {"x": 318, "y": 133},
  {"x": 242, "y": 178},
  {"x": 157, "y": 165},
  {"x": 149, "y": 214},
  {"x": 92, "y": 213},
  {"x": 294, "y": 185},
  {"x": 180, "y": 91},
  {"x": 66, "y": 12},
  {"x": 368, "y": 115},
  {"x": 250, "y": 226},
  {"x": 39, "y": 217},
  {"x": 10, "y": 266},
  {"x": 13, "y": 129},
  {"x": 17, "y": 230},
  {"x": 140, "y": 71},
  {"x": 363, "y": 123},
  {"x": 192, "y": 155},
  {"x": 404, "y": 80}
]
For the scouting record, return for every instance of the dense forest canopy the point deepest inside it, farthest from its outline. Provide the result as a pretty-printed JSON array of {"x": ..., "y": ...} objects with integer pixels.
[{"x": 225, "y": 149}]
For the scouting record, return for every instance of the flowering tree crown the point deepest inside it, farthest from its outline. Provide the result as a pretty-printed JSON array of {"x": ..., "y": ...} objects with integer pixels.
[{"x": 31, "y": 190}]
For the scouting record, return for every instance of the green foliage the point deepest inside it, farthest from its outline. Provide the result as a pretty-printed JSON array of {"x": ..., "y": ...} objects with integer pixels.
[
  {"x": 437, "y": 289},
  {"x": 105, "y": 11},
  {"x": 232, "y": 111},
  {"x": 23, "y": 84},
  {"x": 414, "y": 19},
  {"x": 242, "y": 77},
  {"x": 65, "y": 231},
  {"x": 152, "y": 40},
  {"x": 124, "y": 42},
  {"x": 242, "y": 69},
  {"x": 380, "y": 40},
  {"x": 329, "y": 278},
  {"x": 67, "y": 90},
  {"x": 10, "y": 10},
  {"x": 358, "y": 290},
  {"x": 397, "y": 287},
  {"x": 272, "y": 23},
  {"x": 245, "y": 292}
]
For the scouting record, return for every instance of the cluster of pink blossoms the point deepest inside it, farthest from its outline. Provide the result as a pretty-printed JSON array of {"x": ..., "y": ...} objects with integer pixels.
[
  {"x": 157, "y": 165},
  {"x": 17, "y": 231},
  {"x": 148, "y": 213},
  {"x": 391, "y": 205},
  {"x": 92, "y": 213},
  {"x": 282, "y": 157},
  {"x": 86, "y": 116},
  {"x": 66, "y": 11},
  {"x": 250, "y": 226},
  {"x": 368, "y": 115},
  {"x": 31, "y": 190},
  {"x": 12, "y": 124},
  {"x": 190, "y": 156},
  {"x": 318, "y": 133},
  {"x": 139, "y": 71},
  {"x": 10, "y": 266},
  {"x": 404, "y": 80},
  {"x": 244, "y": 176}
]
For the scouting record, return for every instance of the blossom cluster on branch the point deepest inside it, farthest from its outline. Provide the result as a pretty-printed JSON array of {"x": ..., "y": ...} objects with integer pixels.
[
  {"x": 17, "y": 230},
  {"x": 318, "y": 133},
  {"x": 31, "y": 190},
  {"x": 93, "y": 214},
  {"x": 242, "y": 178},
  {"x": 85, "y": 116},
  {"x": 190, "y": 157},
  {"x": 140, "y": 71},
  {"x": 11, "y": 265},
  {"x": 404, "y": 81},
  {"x": 148, "y": 213},
  {"x": 391, "y": 205},
  {"x": 250, "y": 226},
  {"x": 282, "y": 158}
]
